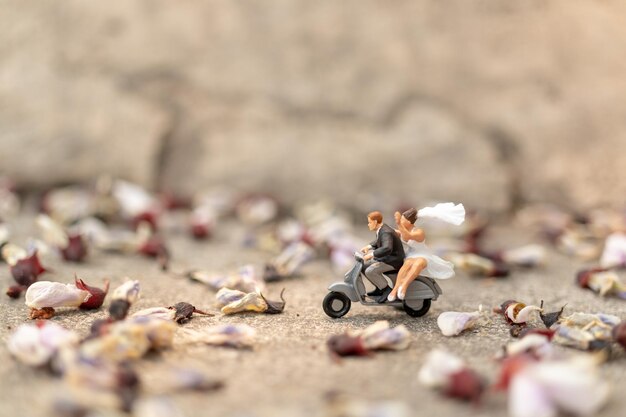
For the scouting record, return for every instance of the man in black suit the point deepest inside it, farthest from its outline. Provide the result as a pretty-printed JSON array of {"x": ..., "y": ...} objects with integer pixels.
[{"x": 388, "y": 255}]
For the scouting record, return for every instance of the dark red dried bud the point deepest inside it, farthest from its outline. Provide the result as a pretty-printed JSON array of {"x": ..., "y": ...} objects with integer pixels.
[
  {"x": 500, "y": 270},
  {"x": 118, "y": 310},
  {"x": 184, "y": 311},
  {"x": 26, "y": 271},
  {"x": 76, "y": 249},
  {"x": 153, "y": 247},
  {"x": 466, "y": 385},
  {"x": 346, "y": 345},
  {"x": 619, "y": 334},
  {"x": 151, "y": 217},
  {"x": 14, "y": 291},
  {"x": 200, "y": 230},
  {"x": 511, "y": 365},
  {"x": 97, "y": 294},
  {"x": 41, "y": 313},
  {"x": 583, "y": 276},
  {"x": 504, "y": 306},
  {"x": 99, "y": 327},
  {"x": 173, "y": 201}
]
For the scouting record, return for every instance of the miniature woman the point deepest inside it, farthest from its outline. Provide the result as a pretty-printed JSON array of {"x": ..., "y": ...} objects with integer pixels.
[{"x": 419, "y": 259}]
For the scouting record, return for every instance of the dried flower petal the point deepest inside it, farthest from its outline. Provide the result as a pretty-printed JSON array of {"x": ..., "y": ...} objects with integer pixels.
[
  {"x": 245, "y": 279},
  {"x": 76, "y": 249},
  {"x": 478, "y": 265},
  {"x": 569, "y": 386},
  {"x": 437, "y": 368},
  {"x": 379, "y": 336},
  {"x": 290, "y": 260},
  {"x": 14, "y": 291},
  {"x": 11, "y": 253},
  {"x": 55, "y": 294},
  {"x": 602, "y": 282},
  {"x": 36, "y": 344},
  {"x": 525, "y": 256},
  {"x": 619, "y": 334},
  {"x": 347, "y": 345},
  {"x": 118, "y": 310},
  {"x": 466, "y": 385},
  {"x": 585, "y": 331},
  {"x": 97, "y": 295},
  {"x": 162, "y": 313},
  {"x": 250, "y": 302},
  {"x": 537, "y": 345},
  {"x": 453, "y": 323},
  {"x": 228, "y": 335},
  {"x": 128, "y": 291},
  {"x": 518, "y": 313},
  {"x": 27, "y": 270},
  {"x": 614, "y": 254},
  {"x": 130, "y": 339},
  {"x": 226, "y": 296},
  {"x": 52, "y": 232}
]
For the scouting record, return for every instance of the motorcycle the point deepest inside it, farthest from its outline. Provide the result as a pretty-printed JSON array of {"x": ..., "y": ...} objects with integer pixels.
[{"x": 419, "y": 295}]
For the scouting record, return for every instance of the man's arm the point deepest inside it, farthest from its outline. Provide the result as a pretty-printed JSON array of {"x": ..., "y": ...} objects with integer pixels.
[{"x": 386, "y": 245}]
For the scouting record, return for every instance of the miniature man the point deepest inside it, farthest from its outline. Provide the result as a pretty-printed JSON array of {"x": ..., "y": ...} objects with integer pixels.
[{"x": 388, "y": 255}]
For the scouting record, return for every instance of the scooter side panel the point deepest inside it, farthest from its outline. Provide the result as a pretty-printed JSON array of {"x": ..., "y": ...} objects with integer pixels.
[
  {"x": 346, "y": 289},
  {"x": 423, "y": 288}
]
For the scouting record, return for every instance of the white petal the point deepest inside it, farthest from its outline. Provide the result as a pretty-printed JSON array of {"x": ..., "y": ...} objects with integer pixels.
[
  {"x": 52, "y": 232},
  {"x": 54, "y": 294},
  {"x": 439, "y": 365},
  {"x": 380, "y": 336},
  {"x": 574, "y": 386},
  {"x": 452, "y": 323},
  {"x": 128, "y": 291},
  {"x": 527, "y": 398},
  {"x": 614, "y": 253},
  {"x": 226, "y": 296},
  {"x": 12, "y": 253},
  {"x": 162, "y": 313},
  {"x": 35, "y": 345}
]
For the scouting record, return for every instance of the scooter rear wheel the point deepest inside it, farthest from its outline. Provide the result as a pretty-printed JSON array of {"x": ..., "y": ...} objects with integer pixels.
[
  {"x": 336, "y": 304},
  {"x": 417, "y": 312}
]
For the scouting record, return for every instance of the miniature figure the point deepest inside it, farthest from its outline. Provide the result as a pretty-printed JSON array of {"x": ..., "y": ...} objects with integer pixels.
[
  {"x": 380, "y": 262},
  {"x": 387, "y": 255},
  {"x": 419, "y": 260}
]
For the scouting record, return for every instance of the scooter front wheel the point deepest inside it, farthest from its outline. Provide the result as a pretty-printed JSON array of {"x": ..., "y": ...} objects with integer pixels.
[
  {"x": 336, "y": 304},
  {"x": 413, "y": 310}
]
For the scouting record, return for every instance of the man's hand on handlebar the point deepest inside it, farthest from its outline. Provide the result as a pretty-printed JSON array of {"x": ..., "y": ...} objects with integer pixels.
[
  {"x": 368, "y": 257},
  {"x": 365, "y": 249}
]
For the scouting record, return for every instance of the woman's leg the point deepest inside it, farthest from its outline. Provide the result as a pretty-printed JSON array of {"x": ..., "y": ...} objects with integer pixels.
[
  {"x": 399, "y": 279},
  {"x": 416, "y": 266}
]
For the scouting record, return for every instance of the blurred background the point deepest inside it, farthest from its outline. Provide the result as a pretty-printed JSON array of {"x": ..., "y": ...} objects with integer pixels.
[{"x": 489, "y": 102}]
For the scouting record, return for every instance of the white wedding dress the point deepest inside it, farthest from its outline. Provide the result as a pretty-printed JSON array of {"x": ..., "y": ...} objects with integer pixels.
[{"x": 435, "y": 266}]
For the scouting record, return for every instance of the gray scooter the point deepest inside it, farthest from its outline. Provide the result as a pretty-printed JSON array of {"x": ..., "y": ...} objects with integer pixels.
[{"x": 416, "y": 303}]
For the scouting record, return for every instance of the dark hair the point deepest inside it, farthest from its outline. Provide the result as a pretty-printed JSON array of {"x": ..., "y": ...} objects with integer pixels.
[
  {"x": 410, "y": 215},
  {"x": 377, "y": 216}
]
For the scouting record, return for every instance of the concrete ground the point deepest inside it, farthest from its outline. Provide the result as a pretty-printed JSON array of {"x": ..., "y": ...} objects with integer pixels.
[{"x": 289, "y": 372}]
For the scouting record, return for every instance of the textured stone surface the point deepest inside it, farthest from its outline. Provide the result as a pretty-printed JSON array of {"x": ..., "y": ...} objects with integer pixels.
[{"x": 155, "y": 91}]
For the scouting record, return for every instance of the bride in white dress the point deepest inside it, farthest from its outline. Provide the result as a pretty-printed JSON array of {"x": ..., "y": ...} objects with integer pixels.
[{"x": 419, "y": 260}]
